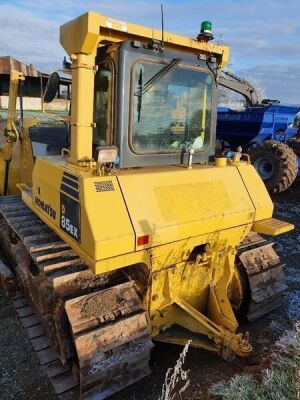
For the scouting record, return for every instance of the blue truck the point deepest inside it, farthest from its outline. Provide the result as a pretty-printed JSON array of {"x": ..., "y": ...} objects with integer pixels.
[{"x": 266, "y": 130}]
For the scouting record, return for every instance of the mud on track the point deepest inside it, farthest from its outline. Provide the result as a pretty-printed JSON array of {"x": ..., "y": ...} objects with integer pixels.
[{"x": 22, "y": 379}]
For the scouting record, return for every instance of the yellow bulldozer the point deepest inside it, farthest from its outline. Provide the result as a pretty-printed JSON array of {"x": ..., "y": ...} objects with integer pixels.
[
  {"x": 22, "y": 140},
  {"x": 12, "y": 153},
  {"x": 136, "y": 232}
]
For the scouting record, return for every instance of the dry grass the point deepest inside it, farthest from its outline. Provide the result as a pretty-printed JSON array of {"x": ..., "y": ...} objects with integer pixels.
[
  {"x": 176, "y": 380},
  {"x": 280, "y": 382}
]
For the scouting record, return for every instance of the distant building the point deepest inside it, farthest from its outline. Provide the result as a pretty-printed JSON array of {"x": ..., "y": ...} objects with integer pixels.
[{"x": 33, "y": 86}]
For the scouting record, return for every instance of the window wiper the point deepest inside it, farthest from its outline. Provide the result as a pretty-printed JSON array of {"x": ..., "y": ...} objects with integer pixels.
[
  {"x": 155, "y": 78},
  {"x": 142, "y": 89},
  {"x": 139, "y": 102}
]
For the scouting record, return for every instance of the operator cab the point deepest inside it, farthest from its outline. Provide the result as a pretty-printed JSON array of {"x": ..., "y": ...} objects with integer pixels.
[{"x": 154, "y": 105}]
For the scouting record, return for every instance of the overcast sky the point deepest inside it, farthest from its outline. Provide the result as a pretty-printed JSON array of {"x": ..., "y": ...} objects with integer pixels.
[{"x": 264, "y": 35}]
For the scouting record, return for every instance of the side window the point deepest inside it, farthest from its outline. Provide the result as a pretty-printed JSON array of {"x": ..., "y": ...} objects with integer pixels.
[{"x": 103, "y": 105}]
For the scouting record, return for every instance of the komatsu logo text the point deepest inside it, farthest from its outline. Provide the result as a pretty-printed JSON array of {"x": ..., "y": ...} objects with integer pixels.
[{"x": 45, "y": 207}]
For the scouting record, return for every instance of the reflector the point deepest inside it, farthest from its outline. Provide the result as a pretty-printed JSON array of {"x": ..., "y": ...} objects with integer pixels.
[{"x": 142, "y": 240}]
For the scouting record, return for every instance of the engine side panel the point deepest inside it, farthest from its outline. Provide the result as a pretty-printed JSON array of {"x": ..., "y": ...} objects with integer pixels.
[
  {"x": 111, "y": 221},
  {"x": 88, "y": 212},
  {"x": 180, "y": 203}
]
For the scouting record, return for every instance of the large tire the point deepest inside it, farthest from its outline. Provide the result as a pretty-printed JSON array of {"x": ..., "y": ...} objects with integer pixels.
[
  {"x": 294, "y": 144},
  {"x": 276, "y": 164}
]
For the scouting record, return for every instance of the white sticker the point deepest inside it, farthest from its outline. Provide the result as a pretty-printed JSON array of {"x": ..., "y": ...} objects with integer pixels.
[{"x": 116, "y": 24}]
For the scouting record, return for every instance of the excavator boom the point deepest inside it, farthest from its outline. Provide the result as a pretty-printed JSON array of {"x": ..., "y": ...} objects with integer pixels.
[{"x": 240, "y": 86}]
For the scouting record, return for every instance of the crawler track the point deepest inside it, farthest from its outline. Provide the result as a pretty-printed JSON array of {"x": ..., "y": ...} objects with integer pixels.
[
  {"x": 96, "y": 325},
  {"x": 262, "y": 275}
]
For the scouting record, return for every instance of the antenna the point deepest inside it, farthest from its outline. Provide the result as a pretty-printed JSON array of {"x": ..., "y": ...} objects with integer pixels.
[{"x": 162, "y": 25}]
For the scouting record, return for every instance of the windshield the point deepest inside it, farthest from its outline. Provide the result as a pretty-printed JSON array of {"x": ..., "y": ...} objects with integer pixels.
[{"x": 175, "y": 113}]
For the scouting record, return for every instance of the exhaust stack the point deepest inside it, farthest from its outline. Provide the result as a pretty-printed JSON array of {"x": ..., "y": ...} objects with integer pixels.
[{"x": 79, "y": 38}]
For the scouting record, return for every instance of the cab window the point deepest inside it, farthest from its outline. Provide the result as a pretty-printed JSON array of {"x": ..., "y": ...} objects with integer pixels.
[{"x": 175, "y": 113}]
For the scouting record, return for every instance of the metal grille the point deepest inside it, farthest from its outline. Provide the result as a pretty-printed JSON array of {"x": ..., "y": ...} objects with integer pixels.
[{"x": 106, "y": 186}]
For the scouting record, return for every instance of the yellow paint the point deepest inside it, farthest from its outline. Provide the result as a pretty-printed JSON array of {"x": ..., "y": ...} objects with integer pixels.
[
  {"x": 82, "y": 108},
  {"x": 80, "y": 38},
  {"x": 15, "y": 145},
  {"x": 191, "y": 199},
  {"x": 176, "y": 203},
  {"x": 194, "y": 218},
  {"x": 206, "y": 208},
  {"x": 82, "y": 34},
  {"x": 165, "y": 210},
  {"x": 103, "y": 234},
  {"x": 110, "y": 233},
  {"x": 181, "y": 210},
  {"x": 195, "y": 294},
  {"x": 220, "y": 161},
  {"x": 272, "y": 227},
  {"x": 15, "y": 78}
]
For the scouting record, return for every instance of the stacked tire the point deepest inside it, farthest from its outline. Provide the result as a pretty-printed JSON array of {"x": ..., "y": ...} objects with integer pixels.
[
  {"x": 294, "y": 144},
  {"x": 276, "y": 163}
]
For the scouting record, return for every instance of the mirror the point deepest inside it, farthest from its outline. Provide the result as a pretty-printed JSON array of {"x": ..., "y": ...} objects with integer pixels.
[{"x": 51, "y": 87}]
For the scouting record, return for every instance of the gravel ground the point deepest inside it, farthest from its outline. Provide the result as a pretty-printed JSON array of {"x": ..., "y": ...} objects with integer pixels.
[{"x": 21, "y": 377}]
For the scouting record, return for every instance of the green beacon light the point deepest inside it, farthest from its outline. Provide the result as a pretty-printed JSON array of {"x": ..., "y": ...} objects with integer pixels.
[{"x": 205, "y": 34}]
